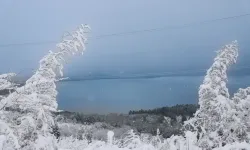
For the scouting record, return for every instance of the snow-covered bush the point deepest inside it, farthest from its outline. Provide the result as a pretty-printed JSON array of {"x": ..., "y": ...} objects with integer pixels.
[{"x": 71, "y": 143}]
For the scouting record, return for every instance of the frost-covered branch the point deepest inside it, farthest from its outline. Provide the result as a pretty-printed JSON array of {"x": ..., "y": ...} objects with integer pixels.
[
  {"x": 241, "y": 100},
  {"x": 5, "y": 82},
  {"x": 214, "y": 87},
  {"x": 214, "y": 98},
  {"x": 37, "y": 98},
  {"x": 241, "y": 103}
]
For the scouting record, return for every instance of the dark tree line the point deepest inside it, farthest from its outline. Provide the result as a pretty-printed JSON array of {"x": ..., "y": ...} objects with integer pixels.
[
  {"x": 172, "y": 111},
  {"x": 143, "y": 121}
]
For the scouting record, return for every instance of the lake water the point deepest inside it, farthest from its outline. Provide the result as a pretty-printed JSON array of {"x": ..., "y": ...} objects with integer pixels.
[{"x": 122, "y": 95}]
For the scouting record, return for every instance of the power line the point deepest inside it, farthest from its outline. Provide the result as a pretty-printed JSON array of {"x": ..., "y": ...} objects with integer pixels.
[
  {"x": 173, "y": 27},
  {"x": 135, "y": 31},
  {"x": 28, "y": 43}
]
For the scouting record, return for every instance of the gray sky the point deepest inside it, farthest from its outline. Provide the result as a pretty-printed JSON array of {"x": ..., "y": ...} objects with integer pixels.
[{"x": 188, "y": 48}]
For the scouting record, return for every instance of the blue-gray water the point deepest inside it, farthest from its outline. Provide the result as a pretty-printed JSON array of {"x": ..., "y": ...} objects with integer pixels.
[{"x": 122, "y": 95}]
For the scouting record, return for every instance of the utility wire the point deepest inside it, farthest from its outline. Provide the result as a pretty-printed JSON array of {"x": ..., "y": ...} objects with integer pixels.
[
  {"x": 135, "y": 31},
  {"x": 28, "y": 43},
  {"x": 172, "y": 27}
]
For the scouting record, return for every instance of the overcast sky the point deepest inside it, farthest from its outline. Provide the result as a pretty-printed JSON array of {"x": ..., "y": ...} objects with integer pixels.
[{"x": 189, "y": 48}]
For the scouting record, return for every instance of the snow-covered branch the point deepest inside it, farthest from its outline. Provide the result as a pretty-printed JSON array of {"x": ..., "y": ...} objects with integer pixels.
[
  {"x": 214, "y": 98},
  {"x": 5, "y": 82},
  {"x": 37, "y": 98}
]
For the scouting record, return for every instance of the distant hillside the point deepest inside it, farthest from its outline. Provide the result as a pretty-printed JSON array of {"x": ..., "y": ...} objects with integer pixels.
[{"x": 168, "y": 120}]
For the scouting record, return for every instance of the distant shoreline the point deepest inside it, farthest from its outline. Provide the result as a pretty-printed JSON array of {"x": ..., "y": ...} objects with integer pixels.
[
  {"x": 117, "y": 77},
  {"x": 124, "y": 78},
  {"x": 139, "y": 77}
]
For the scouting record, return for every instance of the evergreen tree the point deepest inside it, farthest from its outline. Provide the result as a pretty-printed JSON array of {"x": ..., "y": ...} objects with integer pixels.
[
  {"x": 241, "y": 101},
  {"x": 212, "y": 119},
  {"x": 30, "y": 119}
]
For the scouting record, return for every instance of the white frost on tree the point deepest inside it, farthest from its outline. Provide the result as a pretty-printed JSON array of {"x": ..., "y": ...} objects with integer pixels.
[
  {"x": 110, "y": 138},
  {"x": 241, "y": 101},
  {"x": 167, "y": 120},
  {"x": 27, "y": 111},
  {"x": 5, "y": 82},
  {"x": 131, "y": 140},
  {"x": 179, "y": 119},
  {"x": 215, "y": 113}
]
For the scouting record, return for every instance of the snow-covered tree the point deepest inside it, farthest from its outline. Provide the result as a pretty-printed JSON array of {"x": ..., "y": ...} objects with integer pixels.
[
  {"x": 8, "y": 139},
  {"x": 241, "y": 101},
  {"x": 156, "y": 141},
  {"x": 27, "y": 111},
  {"x": 179, "y": 119},
  {"x": 130, "y": 140},
  {"x": 5, "y": 81},
  {"x": 6, "y": 84},
  {"x": 167, "y": 120},
  {"x": 110, "y": 137},
  {"x": 214, "y": 117}
]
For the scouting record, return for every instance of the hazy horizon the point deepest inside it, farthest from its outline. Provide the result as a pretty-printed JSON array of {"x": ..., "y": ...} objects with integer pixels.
[{"x": 170, "y": 50}]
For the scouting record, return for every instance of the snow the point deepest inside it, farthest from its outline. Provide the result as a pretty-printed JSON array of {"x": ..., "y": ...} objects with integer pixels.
[
  {"x": 28, "y": 122},
  {"x": 216, "y": 115},
  {"x": 110, "y": 137}
]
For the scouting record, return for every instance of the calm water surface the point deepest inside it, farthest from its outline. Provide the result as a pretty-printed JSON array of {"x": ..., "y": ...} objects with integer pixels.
[{"x": 122, "y": 95}]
